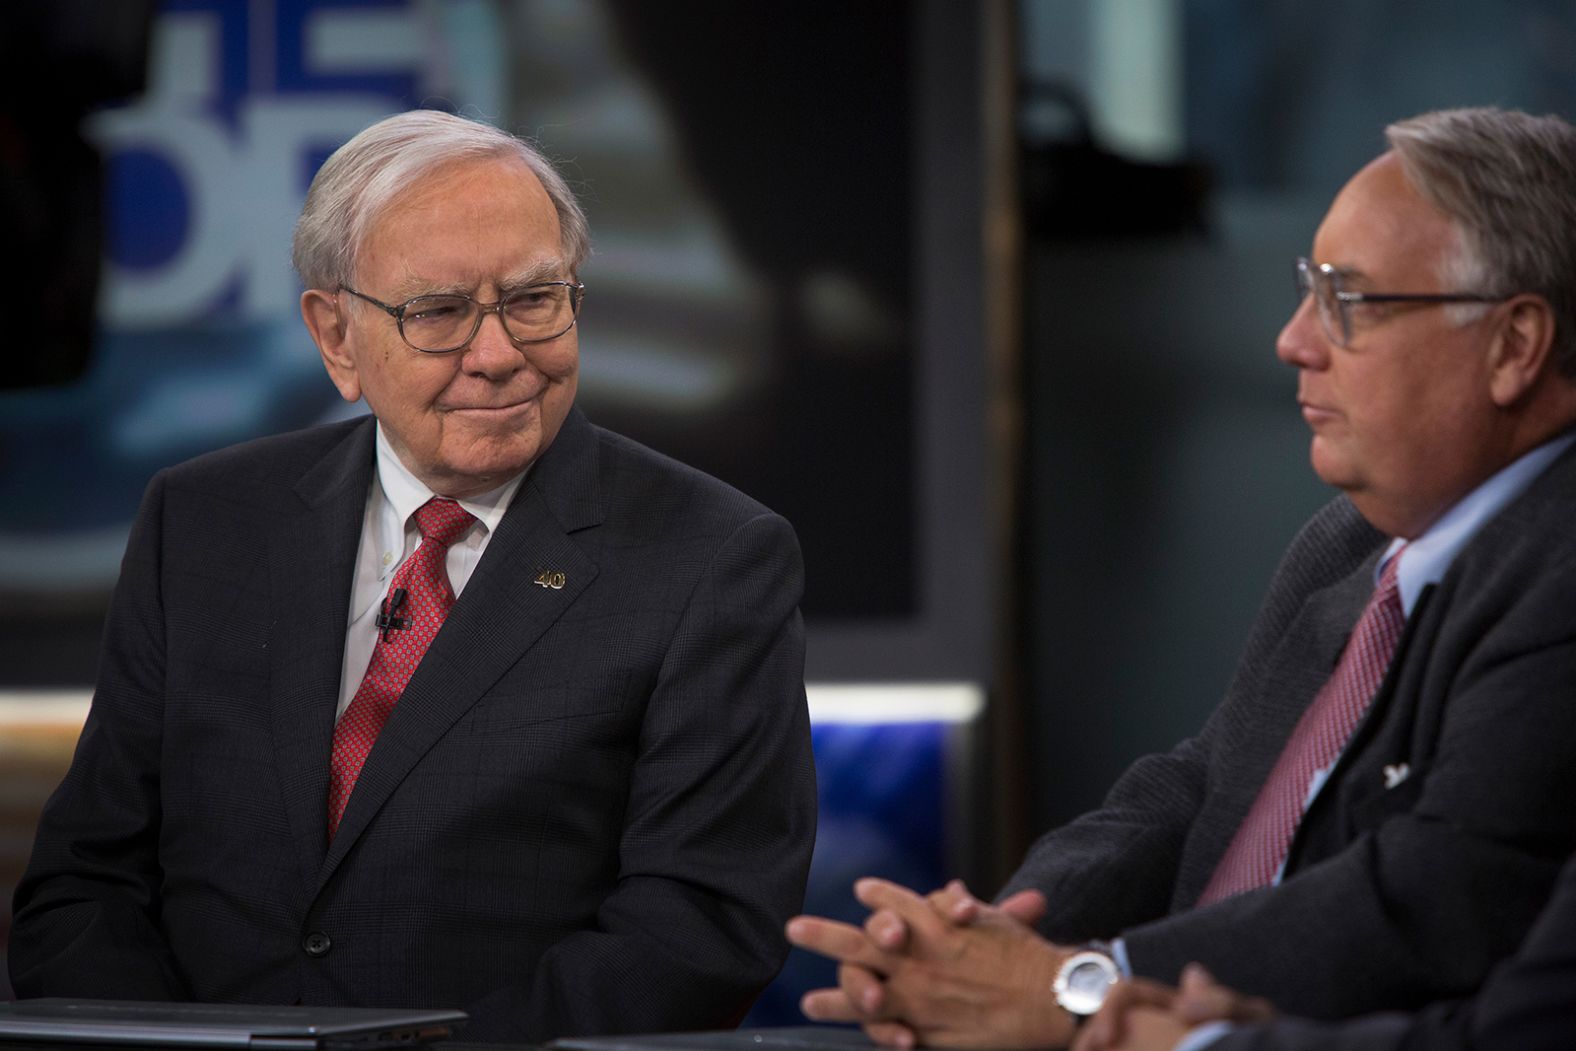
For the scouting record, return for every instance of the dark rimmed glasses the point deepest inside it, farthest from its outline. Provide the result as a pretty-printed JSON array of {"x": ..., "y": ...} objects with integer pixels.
[
  {"x": 1335, "y": 302},
  {"x": 440, "y": 324}
]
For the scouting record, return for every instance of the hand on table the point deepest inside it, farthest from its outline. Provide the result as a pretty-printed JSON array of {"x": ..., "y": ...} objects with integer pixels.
[
  {"x": 947, "y": 970},
  {"x": 1140, "y": 1015}
]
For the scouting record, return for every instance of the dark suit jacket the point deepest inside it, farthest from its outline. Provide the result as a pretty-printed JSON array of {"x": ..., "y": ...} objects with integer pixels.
[
  {"x": 1394, "y": 897},
  {"x": 1528, "y": 1004},
  {"x": 591, "y": 810}
]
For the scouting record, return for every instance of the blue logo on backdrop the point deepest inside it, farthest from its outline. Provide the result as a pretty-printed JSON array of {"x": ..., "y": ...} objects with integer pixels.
[
  {"x": 201, "y": 343},
  {"x": 207, "y": 172}
]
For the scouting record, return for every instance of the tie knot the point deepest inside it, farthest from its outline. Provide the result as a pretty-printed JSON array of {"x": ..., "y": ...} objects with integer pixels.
[{"x": 442, "y": 521}]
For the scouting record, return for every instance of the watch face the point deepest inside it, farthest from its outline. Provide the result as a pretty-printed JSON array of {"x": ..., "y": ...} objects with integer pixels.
[{"x": 1082, "y": 984}]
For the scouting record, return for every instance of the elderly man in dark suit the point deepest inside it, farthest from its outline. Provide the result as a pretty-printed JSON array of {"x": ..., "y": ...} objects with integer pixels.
[
  {"x": 466, "y": 703},
  {"x": 1378, "y": 808}
]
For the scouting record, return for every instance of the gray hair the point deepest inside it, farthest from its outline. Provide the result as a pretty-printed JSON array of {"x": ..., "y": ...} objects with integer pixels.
[
  {"x": 366, "y": 174},
  {"x": 1508, "y": 181}
]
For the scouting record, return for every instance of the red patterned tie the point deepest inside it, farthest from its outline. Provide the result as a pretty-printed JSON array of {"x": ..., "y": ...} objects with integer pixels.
[
  {"x": 1259, "y": 848},
  {"x": 418, "y": 600}
]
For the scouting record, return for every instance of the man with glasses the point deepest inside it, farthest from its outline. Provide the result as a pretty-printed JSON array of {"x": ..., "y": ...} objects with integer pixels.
[
  {"x": 466, "y": 703},
  {"x": 1380, "y": 805}
]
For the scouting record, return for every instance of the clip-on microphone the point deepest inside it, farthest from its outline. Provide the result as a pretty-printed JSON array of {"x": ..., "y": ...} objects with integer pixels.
[{"x": 387, "y": 621}]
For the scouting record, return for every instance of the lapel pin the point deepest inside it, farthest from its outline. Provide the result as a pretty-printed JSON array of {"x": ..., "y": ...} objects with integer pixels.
[
  {"x": 1395, "y": 773},
  {"x": 551, "y": 578}
]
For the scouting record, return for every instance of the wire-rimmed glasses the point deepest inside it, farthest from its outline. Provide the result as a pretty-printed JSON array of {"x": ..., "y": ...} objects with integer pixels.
[
  {"x": 1335, "y": 302},
  {"x": 441, "y": 323}
]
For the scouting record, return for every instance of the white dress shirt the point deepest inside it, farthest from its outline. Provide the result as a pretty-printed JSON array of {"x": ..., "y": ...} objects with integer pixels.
[{"x": 389, "y": 536}]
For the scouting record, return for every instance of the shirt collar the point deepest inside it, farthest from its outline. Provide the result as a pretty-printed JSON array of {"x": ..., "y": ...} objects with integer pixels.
[
  {"x": 405, "y": 493},
  {"x": 1426, "y": 558}
]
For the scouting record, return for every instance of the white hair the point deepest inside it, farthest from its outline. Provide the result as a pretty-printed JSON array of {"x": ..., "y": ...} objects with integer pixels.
[{"x": 365, "y": 175}]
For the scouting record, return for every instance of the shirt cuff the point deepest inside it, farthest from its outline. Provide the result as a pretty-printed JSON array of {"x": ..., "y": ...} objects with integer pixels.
[
  {"x": 1202, "y": 1036},
  {"x": 1119, "y": 954}
]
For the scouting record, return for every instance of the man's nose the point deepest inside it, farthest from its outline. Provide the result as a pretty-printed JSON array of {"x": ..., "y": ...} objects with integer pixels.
[
  {"x": 491, "y": 352},
  {"x": 1301, "y": 343}
]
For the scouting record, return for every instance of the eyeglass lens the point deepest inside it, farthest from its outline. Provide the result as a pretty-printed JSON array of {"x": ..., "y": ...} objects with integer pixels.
[
  {"x": 439, "y": 323},
  {"x": 1326, "y": 297}
]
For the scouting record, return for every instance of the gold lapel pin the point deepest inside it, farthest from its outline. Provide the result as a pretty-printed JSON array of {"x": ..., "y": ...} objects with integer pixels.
[{"x": 551, "y": 578}]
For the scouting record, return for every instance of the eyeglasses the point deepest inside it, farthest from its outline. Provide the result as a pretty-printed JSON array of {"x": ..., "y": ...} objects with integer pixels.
[
  {"x": 1335, "y": 303},
  {"x": 440, "y": 324}
]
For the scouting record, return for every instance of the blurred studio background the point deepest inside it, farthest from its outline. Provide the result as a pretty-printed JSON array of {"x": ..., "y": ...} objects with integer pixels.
[{"x": 981, "y": 296}]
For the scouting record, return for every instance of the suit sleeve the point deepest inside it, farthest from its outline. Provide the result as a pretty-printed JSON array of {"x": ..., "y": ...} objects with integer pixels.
[
  {"x": 86, "y": 912},
  {"x": 1119, "y": 865},
  {"x": 1528, "y": 1003},
  {"x": 1419, "y": 907},
  {"x": 1382, "y": 1032},
  {"x": 719, "y": 826}
]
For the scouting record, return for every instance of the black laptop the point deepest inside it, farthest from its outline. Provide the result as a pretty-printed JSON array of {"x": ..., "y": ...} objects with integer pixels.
[
  {"x": 788, "y": 1038},
  {"x": 139, "y": 1023}
]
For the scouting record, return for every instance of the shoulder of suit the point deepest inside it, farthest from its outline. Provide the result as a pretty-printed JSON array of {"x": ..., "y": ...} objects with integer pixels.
[
  {"x": 1338, "y": 527},
  {"x": 1334, "y": 543},
  {"x": 635, "y": 476},
  {"x": 1530, "y": 544},
  {"x": 276, "y": 458}
]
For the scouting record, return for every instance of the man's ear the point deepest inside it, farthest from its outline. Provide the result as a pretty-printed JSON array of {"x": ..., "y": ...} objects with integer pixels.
[
  {"x": 320, "y": 311},
  {"x": 1521, "y": 350}
]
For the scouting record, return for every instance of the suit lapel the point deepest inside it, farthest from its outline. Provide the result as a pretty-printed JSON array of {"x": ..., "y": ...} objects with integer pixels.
[
  {"x": 498, "y": 617},
  {"x": 1374, "y": 715},
  {"x": 1310, "y": 646},
  {"x": 311, "y": 554},
  {"x": 1309, "y": 649},
  {"x": 1496, "y": 541}
]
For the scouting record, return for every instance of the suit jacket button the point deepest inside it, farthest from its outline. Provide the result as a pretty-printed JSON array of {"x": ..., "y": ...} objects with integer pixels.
[{"x": 316, "y": 944}]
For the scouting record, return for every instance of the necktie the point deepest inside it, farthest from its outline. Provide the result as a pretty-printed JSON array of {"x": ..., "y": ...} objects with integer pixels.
[
  {"x": 1259, "y": 848},
  {"x": 419, "y": 598}
]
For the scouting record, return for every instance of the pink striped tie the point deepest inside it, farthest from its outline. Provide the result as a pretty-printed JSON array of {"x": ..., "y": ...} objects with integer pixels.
[{"x": 1259, "y": 848}]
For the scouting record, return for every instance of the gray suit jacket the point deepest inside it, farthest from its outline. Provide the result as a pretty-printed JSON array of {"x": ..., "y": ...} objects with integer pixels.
[
  {"x": 1394, "y": 896},
  {"x": 591, "y": 810}
]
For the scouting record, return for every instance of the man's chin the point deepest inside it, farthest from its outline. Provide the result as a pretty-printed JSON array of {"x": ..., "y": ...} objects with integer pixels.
[
  {"x": 479, "y": 470},
  {"x": 1330, "y": 466}
]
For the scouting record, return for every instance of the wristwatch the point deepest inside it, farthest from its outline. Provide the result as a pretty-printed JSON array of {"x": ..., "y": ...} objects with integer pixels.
[{"x": 1083, "y": 981}]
